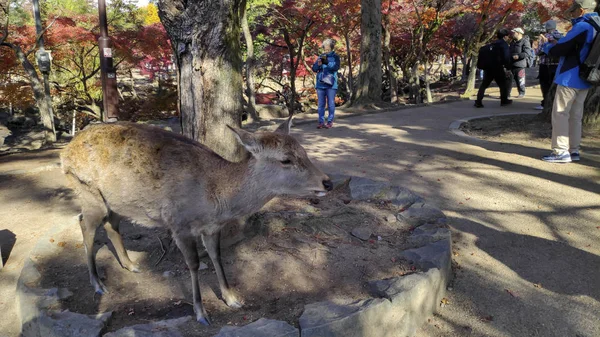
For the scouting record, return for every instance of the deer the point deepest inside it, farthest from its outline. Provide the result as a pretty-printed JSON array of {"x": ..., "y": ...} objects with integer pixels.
[{"x": 154, "y": 177}]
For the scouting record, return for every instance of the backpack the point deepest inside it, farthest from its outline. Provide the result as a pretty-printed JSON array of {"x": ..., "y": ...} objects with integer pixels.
[
  {"x": 588, "y": 70},
  {"x": 530, "y": 58},
  {"x": 487, "y": 57}
]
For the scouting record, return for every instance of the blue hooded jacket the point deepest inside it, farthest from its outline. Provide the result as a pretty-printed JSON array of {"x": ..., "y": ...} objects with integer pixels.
[
  {"x": 332, "y": 66},
  {"x": 572, "y": 50}
]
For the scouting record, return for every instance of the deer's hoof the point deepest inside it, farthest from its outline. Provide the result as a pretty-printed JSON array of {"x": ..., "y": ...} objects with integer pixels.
[
  {"x": 234, "y": 304},
  {"x": 134, "y": 267},
  {"x": 203, "y": 320}
]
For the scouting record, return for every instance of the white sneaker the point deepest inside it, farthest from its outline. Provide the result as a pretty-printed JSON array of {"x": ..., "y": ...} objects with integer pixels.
[{"x": 539, "y": 107}]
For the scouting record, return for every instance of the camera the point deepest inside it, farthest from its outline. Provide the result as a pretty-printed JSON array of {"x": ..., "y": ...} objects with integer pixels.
[{"x": 323, "y": 59}]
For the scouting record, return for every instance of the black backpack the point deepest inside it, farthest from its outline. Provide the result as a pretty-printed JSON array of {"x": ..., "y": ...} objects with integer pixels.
[
  {"x": 488, "y": 57},
  {"x": 589, "y": 70}
]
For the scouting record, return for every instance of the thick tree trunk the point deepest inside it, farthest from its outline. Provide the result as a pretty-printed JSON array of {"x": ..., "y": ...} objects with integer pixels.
[
  {"x": 250, "y": 64},
  {"x": 206, "y": 40},
  {"x": 42, "y": 100},
  {"x": 368, "y": 87}
]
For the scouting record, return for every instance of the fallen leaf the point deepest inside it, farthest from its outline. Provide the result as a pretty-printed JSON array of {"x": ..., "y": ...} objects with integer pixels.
[
  {"x": 79, "y": 245},
  {"x": 537, "y": 285},
  {"x": 439, "y": 180},
  {"x": 460, "y": 203},
  {"x": 178, "y": 302},
  {"x": 511, "y": 293},
  {"x": 468, "y": 199},
  {"x": 62, "y": 244},
  {"x": 51, "y": 240},
  {"x": 455, "y": 253},
  {"x": 445, "y": 301}
]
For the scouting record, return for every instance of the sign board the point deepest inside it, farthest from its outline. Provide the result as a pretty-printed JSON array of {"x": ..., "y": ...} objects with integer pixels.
[{"x": 107, "y": 52}]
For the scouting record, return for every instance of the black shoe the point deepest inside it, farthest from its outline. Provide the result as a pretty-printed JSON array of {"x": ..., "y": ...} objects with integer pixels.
[
  {"x": 478, "y": 104},
  {"x": 507, "y": 102}
]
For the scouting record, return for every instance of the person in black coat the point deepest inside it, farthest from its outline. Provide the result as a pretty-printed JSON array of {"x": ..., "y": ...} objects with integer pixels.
[
  {"x": 500, "y": 72},
  {"x": 520, "y": 51}
]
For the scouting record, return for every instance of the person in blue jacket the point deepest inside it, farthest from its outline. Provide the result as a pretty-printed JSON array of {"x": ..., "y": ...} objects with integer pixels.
[
  {"x": 571, "y": 91},
  {"x": 326, "y": 66}
]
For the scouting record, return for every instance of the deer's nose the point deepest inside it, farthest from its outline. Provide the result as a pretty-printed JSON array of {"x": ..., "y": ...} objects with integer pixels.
[{"x": 328, "y": 184}]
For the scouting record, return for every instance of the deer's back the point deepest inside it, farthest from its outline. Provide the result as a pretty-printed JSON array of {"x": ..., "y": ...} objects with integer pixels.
[{"x": 142, "y": 171}]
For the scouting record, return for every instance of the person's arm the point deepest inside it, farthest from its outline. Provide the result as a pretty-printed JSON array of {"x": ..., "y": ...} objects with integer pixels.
[
  {"x": 316, "y": 67},
  {"x": 569, "y": 44},
  {"x": 335, "y": 64}
]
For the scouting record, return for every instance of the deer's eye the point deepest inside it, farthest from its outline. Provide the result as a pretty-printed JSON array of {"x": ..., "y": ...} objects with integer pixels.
[{"x": 286, "y": 162}]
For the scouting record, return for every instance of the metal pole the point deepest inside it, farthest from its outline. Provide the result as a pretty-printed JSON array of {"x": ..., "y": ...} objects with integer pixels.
[
  {"x": 43, "y": 59},
  {"x": 108, "y": 72}
]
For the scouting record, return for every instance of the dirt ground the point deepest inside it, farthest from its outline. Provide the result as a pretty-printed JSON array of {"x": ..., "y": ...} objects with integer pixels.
[
  {"x": 294, "y": 252},
  {"x": 526, "y": 129}
]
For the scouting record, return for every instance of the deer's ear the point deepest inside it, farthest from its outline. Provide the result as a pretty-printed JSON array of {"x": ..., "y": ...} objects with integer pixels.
[
  {"x": 285, "y": 127},
  {"x": 246, "y": 139}
]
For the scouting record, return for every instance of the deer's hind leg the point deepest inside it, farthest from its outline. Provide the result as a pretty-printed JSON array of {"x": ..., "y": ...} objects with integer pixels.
[
  {"x": 94, "y": 213},
  {"x": 112, "y": 229}
]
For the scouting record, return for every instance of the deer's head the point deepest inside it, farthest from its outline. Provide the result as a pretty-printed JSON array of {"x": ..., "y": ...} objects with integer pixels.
[{"x": 281, "y": 160}]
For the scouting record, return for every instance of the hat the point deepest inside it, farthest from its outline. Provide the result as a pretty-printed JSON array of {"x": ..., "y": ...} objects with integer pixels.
[
  {"x": 519, "y": 30},
  {"x": 550, "y": 25},
  {"x": 585, "y": 4}
]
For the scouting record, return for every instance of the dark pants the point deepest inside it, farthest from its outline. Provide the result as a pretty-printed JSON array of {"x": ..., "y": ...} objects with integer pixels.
[
  {"x": 499, "y": 76},
  {"x": 519, "y": 76},
  {"x": 547, "y": 73}
]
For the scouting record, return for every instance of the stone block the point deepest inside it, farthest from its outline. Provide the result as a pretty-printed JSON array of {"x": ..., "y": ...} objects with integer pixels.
[
  {"x": 167, "y": 328},
  {"x": 261, "y": 328},
  {"x": 371, "y": 317}
]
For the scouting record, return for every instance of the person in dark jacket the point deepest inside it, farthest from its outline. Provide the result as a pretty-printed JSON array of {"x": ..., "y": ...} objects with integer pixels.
[
  {"x": 326, "y": 66},
  {"x": 520, "y": 50},
  {"x": 571, "y": 90},
  {"x": 500, "y": 72},
  {"x": 548, "y": 64}
]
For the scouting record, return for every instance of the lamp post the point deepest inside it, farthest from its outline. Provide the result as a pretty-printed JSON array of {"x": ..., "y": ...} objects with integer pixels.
[{"x": 107, "y": 70}]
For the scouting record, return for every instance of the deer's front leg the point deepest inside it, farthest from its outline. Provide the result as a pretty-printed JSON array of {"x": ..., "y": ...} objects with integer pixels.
[
  {"x": 187, "y": 246},
  {"x": 212, "y": 243}
]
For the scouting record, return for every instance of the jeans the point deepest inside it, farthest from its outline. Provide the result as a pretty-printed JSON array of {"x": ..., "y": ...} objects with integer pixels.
[
  {"x": 519, "y": 76},
  {"x": 329, "y": 95}
]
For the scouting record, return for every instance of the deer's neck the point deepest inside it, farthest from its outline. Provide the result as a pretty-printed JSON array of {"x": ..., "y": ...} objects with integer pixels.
[{"x": 247, "y": 188}]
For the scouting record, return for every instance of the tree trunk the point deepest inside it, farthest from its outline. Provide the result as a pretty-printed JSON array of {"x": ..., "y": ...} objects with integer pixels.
[
  {"x": 205, "y": 38},
  {"x": 472, "y": 77},
  {"x": 250, "y": 64},
  {"x": 368, "y": 88},
  {"x": 388, "y": 62},
  {"x": 427, "y": 87},
  {"x": 42, "y": 100},
  {"x": 350, "y": 70}
]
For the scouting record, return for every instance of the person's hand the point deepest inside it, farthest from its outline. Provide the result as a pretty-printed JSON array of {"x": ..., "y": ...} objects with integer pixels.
[
  {"x": 543, "y": 38},
  {"x": 319, "y": 61},
  {"x": 515, "y": 57}
]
